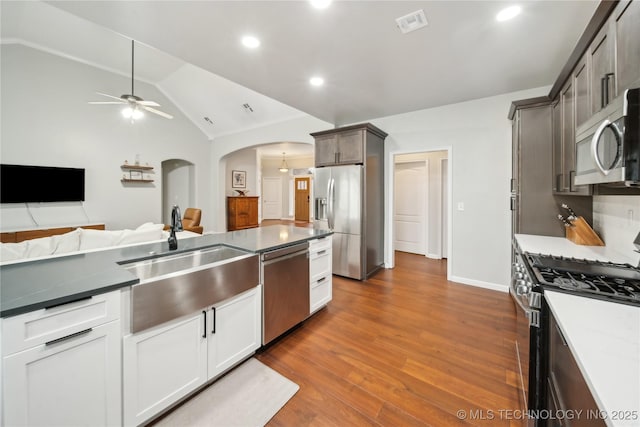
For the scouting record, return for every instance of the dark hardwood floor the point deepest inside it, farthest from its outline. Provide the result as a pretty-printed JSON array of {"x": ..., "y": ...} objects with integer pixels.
[{"x": 405, "y": 347}]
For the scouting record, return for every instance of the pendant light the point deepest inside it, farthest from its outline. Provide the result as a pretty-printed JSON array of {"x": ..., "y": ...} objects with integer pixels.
[{"x": 283, "y": 165}]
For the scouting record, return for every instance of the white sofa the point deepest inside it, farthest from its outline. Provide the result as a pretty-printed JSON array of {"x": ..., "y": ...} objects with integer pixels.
[{"x": 83, "y": 240}]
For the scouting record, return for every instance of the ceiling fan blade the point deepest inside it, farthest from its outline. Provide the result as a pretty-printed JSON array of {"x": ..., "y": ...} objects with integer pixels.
[
  {"x": 158, "y": 112},
  {"x": 149, "y": 103},
  {"x": 106, "y": 103},
  {"x": 110, "y": 96}
]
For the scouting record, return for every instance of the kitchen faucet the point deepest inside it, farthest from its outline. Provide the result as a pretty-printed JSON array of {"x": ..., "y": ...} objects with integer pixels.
[{"x": 176, "y": 225}]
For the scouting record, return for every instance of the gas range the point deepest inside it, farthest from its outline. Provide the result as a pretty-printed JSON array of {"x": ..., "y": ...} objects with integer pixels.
[{"x": 596, "y": 279}]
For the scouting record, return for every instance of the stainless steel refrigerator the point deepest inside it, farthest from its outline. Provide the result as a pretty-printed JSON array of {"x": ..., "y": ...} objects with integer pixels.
[{"x": 355, "y": 215}]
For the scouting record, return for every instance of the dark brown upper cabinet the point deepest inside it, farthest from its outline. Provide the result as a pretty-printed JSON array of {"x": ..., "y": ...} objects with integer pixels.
[{"x": 625, "y": 23}]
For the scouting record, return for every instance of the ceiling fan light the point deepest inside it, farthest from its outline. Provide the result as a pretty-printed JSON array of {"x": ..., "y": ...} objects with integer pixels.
[
  {"x": 137, "y": 114},
  {"x": 127, "y": 112}
]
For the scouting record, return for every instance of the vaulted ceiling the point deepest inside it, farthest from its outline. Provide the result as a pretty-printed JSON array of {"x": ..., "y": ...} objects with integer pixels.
[{"x": 191, "y": 50}]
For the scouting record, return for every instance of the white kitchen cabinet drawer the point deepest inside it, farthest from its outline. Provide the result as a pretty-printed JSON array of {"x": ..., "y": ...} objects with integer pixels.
[
  {"x": 48, "y": 324},
  {"x": 320, "y": 244},
  {"x": 319, "y": 264},
  {"x": 321, "y": 292}
]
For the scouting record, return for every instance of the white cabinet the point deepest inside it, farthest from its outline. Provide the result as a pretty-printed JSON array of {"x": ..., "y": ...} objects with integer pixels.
[
  {"x": 62, "y": 365},
  {"x": 162, "y": 365},
  {"x": 320, "y": 273},
  {"x": 235, "y": 330},
  {"x": 166, "y": 363}
]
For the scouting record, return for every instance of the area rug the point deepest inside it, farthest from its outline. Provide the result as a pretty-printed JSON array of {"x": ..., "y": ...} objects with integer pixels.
[{"x": 250, "y": 395}]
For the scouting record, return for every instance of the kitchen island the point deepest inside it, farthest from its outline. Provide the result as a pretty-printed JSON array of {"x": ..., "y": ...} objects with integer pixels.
[
  {"x": 31, "y": 285},
  {"x": 70, "y": 352}
]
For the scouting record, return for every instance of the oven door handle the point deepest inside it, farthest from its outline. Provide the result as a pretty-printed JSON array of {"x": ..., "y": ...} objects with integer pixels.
[{"x": 532, "y": 314}]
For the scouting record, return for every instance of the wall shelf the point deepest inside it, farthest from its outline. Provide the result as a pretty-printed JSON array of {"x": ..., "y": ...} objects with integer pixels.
[
  {"x": 136, "y": 174},
  {"x": 137, "y": 167},
  {"x": 135, "y": 180}
]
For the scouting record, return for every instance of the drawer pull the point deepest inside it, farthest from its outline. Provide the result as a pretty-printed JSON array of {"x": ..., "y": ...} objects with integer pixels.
[
  {"x": 322, "y": 252},
  {"x": 68, "y": 337},
  {"x": 68, "y": 302},
  {"x": 322, "y": 279}
]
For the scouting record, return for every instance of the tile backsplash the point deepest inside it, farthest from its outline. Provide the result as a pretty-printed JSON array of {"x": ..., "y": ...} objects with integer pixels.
[{"x": 617, "y": 220}]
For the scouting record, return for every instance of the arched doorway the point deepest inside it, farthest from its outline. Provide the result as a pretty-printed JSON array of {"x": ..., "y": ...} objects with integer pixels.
[{"x": 178, "y": 186}]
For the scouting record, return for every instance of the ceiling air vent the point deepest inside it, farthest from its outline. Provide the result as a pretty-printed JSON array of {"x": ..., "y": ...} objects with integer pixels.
[{"x": 412, "y": 21}]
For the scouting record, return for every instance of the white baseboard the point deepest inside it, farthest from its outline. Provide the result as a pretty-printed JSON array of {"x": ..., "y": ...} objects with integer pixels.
[
  {"x": 479, "y": 284},
  {"x": 433, "y": 256}
]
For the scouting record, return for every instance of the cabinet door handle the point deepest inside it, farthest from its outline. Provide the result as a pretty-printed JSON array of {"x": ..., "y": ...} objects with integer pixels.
[
  {"x": 68, "y": 337},
  {"x": 603, "y": 90},
  {"x": 571, "y": 176},
  {"x": 559, "y": 182},
  {"x": 204, "y": 330},
  {"x": 513, "y": 203},
  {"x": 213, "y": 331},
  {"x": 607, "y": 77}
]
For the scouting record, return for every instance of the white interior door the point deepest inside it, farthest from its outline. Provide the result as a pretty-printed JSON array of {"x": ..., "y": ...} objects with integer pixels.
[
  {"x": 271, "y": 197},
  {"x": 410, "y": 211}
]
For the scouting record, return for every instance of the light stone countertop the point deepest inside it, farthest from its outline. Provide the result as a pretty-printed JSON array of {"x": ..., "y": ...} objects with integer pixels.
[
  {"x": 564, "y": 247},
  {"x": 604, "y": 338}
]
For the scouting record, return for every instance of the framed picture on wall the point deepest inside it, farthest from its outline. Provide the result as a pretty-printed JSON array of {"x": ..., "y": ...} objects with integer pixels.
[{"x": 238, "y": 179}]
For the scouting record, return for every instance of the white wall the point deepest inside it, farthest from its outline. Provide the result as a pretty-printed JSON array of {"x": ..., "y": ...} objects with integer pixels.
[
  {"x": 616, "y": 219},
  {"x": 244, "y": 160},
  {"x": 46, "y": 121},
  {"x": 478, "y": 135}
]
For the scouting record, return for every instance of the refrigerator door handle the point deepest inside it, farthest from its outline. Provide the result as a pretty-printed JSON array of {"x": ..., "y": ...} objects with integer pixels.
[{"x": 330, "y": 196}]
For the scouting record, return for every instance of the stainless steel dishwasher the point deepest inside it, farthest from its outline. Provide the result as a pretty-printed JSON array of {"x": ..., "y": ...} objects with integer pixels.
[{"x": 285, "y": 279}]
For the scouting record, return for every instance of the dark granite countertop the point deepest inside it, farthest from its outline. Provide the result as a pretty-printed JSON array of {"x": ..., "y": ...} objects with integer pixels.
[{"x": 32, "y": 285}]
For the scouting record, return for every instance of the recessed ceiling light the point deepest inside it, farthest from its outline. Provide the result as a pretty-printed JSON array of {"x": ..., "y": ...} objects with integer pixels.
[
  {"x": 316, "y": 81},
  {"x": 508, "y": 13},
  {"x": 320, "y": 4},
  {"x": 250, "y": 42}
]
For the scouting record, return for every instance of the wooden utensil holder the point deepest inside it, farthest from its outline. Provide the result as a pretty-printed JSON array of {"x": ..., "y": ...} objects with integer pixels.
[{"x": 582, "y": 234}]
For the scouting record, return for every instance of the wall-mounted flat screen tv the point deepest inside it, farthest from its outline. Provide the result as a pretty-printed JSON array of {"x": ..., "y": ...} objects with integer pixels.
[{"x": 23, "y": 184}]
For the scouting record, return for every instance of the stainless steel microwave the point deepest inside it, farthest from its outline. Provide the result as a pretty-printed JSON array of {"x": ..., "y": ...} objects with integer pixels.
[{"x": 608, "y": 144}]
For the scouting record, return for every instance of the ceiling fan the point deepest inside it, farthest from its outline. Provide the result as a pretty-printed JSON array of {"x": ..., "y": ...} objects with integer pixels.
[{"x": 134, "y": 104}]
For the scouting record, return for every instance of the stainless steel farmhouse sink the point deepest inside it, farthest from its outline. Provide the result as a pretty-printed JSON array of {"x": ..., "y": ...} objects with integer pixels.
[{"x": 179, "y": 284}]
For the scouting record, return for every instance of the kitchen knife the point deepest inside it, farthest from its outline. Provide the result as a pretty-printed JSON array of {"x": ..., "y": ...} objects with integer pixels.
[
  {"x": 572, "y": 214},
  {"x": 564, "y": 221}
]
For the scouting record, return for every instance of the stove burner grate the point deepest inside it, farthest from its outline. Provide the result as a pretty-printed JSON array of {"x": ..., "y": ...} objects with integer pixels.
[{"x": 586, "y": 278}]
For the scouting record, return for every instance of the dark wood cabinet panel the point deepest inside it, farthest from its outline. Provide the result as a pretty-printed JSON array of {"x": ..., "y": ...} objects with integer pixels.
[
  {"x": 568, "y": 135},
  {"x": 242, "y": 212},
  {"x": 558, "y": 161},
  {"x": 567, "y": 390},
  {"x": 626, "y": 23},
  {"x": 602, "y": 70},
  {"x": 345, "y": 146},
  {"x": 581, "y": 92}
]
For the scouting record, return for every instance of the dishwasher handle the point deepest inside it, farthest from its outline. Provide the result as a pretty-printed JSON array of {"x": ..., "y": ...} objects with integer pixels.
[{"x": 287, "y": 250}]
